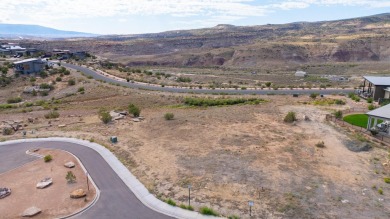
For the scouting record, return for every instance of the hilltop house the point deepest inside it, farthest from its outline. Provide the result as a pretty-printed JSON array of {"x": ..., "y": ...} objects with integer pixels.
[
  {"x": 29, "y": 66},
  {"x": 377, "y": 88},
  {"x": 300, "y": 74}
]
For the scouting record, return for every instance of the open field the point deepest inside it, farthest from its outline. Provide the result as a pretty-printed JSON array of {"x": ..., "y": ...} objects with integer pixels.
[{"x": 229, "y": 154}]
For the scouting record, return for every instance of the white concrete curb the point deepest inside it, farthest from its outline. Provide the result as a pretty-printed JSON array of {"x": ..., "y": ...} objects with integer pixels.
[{"x": 127, "y": 177}]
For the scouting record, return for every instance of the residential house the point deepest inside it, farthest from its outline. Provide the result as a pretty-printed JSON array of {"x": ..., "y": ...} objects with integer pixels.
[
  {"x": 375, "y": 87},
  {"x": 29, "y": 66}
]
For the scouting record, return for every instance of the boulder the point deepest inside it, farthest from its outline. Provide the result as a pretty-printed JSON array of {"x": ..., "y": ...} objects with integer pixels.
[
  {"x": 30, "y": 212},
  {"x": 78, "y": 193},
  {"x": 45, "y": 183},
  {"x": 136, "y": 120},
  {"x": 69, "y": 164},
  {"x": 4, "y": 192}
]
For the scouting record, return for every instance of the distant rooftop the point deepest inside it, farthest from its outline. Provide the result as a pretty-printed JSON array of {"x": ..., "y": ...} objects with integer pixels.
[
  {"x": 382, "y": 112},
  {"x": 26, "y": 60},
  {"x": 384, "y": 81}
]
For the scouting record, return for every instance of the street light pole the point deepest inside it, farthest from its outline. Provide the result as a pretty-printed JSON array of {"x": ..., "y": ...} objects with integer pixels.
[
  {"x": 189, "y": 195},
  {"x": 86, "y": 174}
]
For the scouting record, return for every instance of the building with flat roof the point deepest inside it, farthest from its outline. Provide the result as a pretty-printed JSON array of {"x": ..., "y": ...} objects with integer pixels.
[
  {"x": 29, "y": 66},
  {"x": 375, "y": 87},
  {"x": 383, "y": 114}
]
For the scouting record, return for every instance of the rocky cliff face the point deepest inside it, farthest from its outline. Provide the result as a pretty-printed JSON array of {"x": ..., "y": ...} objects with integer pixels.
[{"x": 352, "y": 40}]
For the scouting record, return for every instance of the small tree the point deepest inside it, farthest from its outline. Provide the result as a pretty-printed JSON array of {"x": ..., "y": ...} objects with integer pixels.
[
  {"x": 133, "y": 109},
  {"x": 290, "y": 117},
  {"x": 268, "y": 84},
  {"x": 169, "y": 116},
  {"x": 70, "y": 177},
  {"x": 105, "y": 116}
]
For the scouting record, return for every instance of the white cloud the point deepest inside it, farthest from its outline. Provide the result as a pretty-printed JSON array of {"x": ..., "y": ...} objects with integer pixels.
[
  {"x": 203, "y": 12},
  {"x": 296, "y": 4},
  {"x": 48, "y": 9}
]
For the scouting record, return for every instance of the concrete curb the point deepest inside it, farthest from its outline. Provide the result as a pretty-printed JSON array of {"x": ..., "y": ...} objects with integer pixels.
[{"x": 127, "y": 177}]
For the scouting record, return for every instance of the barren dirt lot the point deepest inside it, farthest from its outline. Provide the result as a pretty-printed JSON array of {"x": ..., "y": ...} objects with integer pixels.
[
  {"x": 54, "y": 201},
  {"x": 230, "y": 154}
]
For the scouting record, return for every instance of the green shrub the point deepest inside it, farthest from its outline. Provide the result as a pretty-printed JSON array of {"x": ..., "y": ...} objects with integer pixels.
[
  {"x": 171, "y": 202},
  {"x": 105, "y": 116},
  {"x": 183, "y": 206},
  {"x": 43, "y": 74},
  {"x": 7, "y": 131},
  {"x": 369, "y": 100},
  {"x": 46, "y": 86},
  {"x": 196, "y": 101},
  {"x": 169, "y": 116},
  {"x": 47, "y": 158},
  {"x": 183, "y": 79},
  {"x": 380, "y": 191},
  {"x": 58, "y": 79},
  {"x": 81, "y": 89},
  {"x": 387, "y": 179},
  {"x": 208, "y": 211},
  {"x": 339, "y": 102},
  {"x": 290, "y": 117},
  {"x": 233, "y": 217},
  {"x": 314, "y": 95},
  {"x": 14, "y": 100},
  {"x": 371, "y": 107},
  {"x": 190, "y": 208},
  {"x": 338, "y": 114},
  {"x": 134, "y": 110},
  {"x": 70, "y": 177},
  {"x": 52, "y": 115},
  {"x": 71, "y": 82}
]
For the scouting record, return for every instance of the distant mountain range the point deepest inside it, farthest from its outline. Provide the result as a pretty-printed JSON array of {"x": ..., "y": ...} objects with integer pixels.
[{"x": 28, "y": 31}]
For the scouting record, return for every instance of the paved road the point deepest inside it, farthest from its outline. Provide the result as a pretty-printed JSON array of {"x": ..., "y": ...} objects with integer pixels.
[
  {"x": 116, "y": 200},
  {"x": 98, "y": 76}
]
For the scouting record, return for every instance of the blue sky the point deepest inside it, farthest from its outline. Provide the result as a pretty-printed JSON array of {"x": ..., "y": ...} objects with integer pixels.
[{"x": 146, "y": 16}]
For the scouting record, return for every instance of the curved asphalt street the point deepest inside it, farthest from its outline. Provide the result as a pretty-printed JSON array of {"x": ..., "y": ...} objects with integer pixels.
[
  {"x": 116, "y": 200},
  {"x": 98, "y": 76}
]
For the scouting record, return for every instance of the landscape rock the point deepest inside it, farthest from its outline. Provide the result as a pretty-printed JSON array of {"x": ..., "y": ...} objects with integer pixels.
[
  {"x": 78, "y": 193},
  {"x": 116, "y": 116},
  {"x": 4, "y": 192},
  {"x": 30, "y": 212},
  {"x": 69, "y": 164},
  {"x": 45, "y": 183},
  {"x": 136, "y": 120},
  {"x": 61, "y": 126}
]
